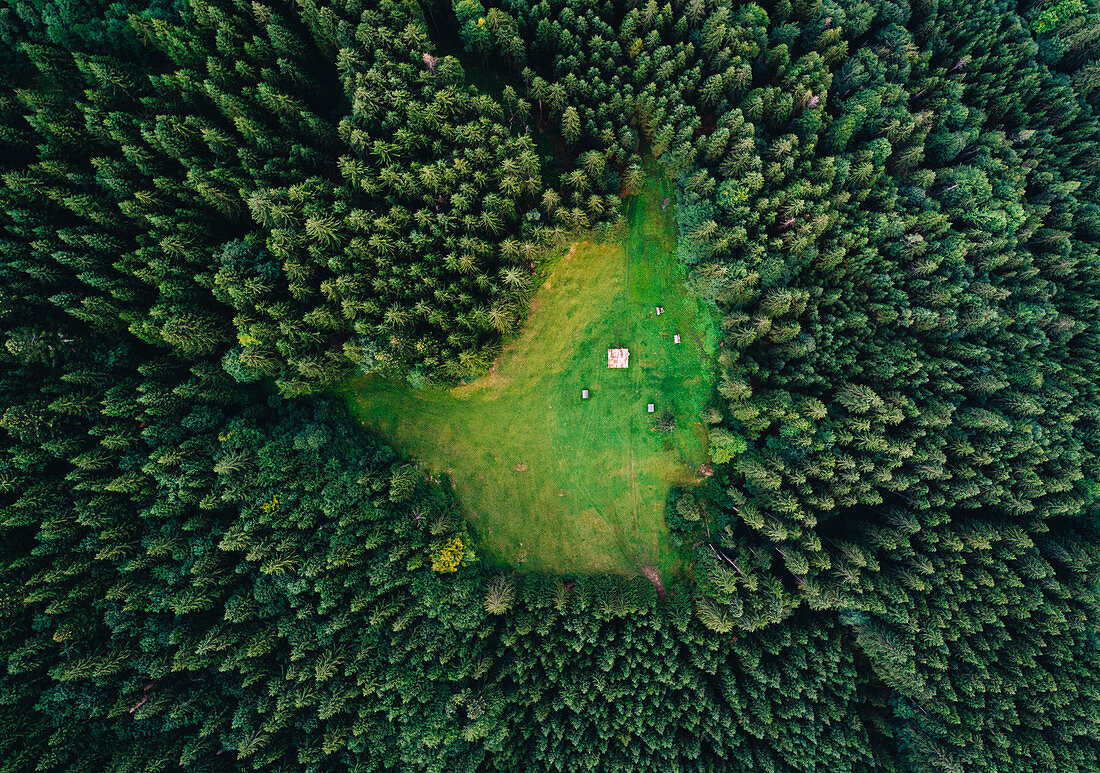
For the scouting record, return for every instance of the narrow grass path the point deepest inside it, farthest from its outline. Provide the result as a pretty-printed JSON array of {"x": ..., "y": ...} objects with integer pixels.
[{"x": 549, "y": 480}]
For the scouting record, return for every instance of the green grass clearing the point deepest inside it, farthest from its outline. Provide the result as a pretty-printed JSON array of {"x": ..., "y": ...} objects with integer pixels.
[{"x": 550, "y": 481}]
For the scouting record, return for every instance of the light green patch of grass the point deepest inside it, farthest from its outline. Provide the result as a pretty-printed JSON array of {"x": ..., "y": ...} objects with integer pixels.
[{"x": 550, "y": 481}]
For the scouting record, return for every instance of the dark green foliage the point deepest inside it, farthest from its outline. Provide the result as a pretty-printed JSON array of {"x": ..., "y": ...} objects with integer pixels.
[{"x": 893, "y": 208}]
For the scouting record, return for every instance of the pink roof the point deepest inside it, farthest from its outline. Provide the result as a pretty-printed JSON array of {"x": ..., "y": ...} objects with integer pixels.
[{"x": 618, "y": 358}]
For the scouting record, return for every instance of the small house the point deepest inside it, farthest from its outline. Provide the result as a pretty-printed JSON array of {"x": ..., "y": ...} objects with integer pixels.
[{"x": 618, "y": 358}]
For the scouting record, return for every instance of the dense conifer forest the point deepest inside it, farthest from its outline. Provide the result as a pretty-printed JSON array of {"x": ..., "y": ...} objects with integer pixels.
[{"x": 214, "y": 213}]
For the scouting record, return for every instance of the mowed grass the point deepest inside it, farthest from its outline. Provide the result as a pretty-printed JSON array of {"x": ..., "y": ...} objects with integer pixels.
[{"x": 550, "y": 481}]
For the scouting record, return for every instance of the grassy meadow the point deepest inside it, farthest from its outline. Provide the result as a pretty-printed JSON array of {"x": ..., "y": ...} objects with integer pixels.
[{"x": 550, "y": 481}]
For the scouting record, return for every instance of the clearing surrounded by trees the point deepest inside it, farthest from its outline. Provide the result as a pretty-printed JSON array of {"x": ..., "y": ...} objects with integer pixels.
[{"x": 549, "y": 480}]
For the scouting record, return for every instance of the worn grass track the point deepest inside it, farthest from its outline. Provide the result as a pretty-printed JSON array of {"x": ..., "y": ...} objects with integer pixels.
[{"x": 550, "y": 481}]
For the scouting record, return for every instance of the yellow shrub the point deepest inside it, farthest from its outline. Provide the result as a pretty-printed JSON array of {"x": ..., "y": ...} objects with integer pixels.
[{"x": 448, "y": 557}]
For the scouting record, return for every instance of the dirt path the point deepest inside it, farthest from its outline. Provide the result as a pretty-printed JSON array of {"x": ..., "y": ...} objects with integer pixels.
[{"x": 654, "y": 577}]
